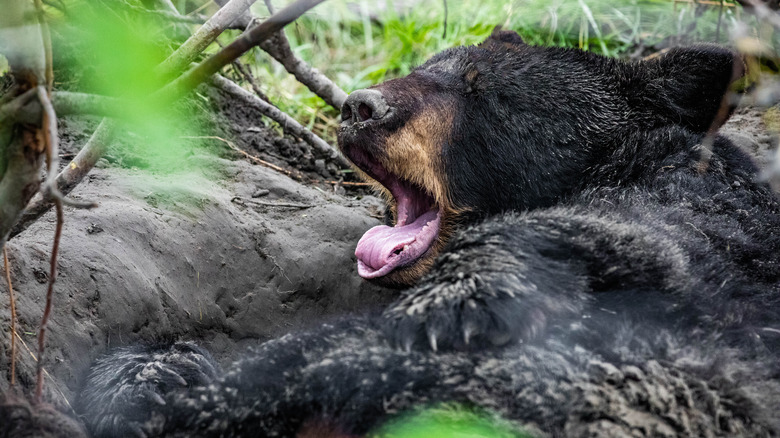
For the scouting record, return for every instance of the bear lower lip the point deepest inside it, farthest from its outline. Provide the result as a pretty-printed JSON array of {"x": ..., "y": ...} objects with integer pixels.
[{"x": 383, "y": 249}]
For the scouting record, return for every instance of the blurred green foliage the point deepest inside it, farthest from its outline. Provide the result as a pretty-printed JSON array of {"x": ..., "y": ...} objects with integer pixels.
[
  {"x": 449, "y": 421},
  {"x": 116, "y": 51}
]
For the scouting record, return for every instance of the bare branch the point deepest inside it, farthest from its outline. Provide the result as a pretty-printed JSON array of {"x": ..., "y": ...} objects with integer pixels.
[
  {"x": 247, "y": 74},
  {"x": 66, "y": 103},
  {"x": 257, "y": 34},
  {"x": 279, "y": 48},
  {"x": 204, "y": 36},
  {"x": 287, "y": 123}
]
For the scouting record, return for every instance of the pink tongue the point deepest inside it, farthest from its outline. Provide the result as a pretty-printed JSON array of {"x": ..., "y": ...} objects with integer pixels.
[{"x": 377, "y": 251}]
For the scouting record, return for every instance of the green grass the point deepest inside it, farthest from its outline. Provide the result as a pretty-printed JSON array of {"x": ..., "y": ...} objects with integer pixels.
[{"x": 357, "y": 51}]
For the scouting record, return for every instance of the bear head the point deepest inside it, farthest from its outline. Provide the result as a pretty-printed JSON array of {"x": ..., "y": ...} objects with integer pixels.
[{"x": 506, "y": 126}]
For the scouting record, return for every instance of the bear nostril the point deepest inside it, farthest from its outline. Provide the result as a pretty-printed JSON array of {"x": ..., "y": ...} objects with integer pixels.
[
  {"x": 346, "y": 113},
  {"x": 365, "y": 112}
]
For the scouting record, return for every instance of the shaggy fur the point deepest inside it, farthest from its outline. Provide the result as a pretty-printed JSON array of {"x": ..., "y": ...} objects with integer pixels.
[{"x": 608, "y": 270}]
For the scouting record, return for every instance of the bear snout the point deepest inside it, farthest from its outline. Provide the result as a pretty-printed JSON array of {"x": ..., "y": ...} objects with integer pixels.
[{"x": 363, "y": 105}]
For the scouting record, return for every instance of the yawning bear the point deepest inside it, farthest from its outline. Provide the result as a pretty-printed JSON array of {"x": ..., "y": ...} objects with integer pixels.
[{"x": 586, "y": 256}]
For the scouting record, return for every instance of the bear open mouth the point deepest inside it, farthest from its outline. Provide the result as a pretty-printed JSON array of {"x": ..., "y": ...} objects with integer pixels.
[{"x": 383, "y": 249}]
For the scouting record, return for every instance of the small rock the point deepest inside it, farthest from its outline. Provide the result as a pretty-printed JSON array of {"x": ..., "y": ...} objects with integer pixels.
[
  {"x": 319, "y": 165},
  {"x": 40, "y": 275},
  {"x": 94, "y": 229},
  {"x": 260, "y": 193}
]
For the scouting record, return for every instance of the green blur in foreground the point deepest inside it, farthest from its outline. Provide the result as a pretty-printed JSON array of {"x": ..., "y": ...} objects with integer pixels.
[
  {"x": 117, "y": 52},
  {"x": 450, "y": 421}
]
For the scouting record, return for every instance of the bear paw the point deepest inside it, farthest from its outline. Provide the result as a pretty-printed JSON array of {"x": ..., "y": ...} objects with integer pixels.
[
  {"x": 469, "y": 312},
  {"x": 125, "y": 388}
]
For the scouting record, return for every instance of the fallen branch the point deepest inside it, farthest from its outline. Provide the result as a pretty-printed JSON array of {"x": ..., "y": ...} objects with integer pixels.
[
  {"x": 287, "y": 123},
  {"x": 279, "y": 48},
  {"x": 70, "y": 103}
]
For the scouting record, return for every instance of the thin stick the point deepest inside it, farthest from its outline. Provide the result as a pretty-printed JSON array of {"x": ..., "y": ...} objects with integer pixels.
[
  {"x": 244, "y": 153},
  {"x": 13, "y": 314},
  {"x": 49, "y": 298},
  {"x": 275, "y": 167},
  {"x": 244, "y": 71},
  {"x": 288, "y": 124},
  {"x": 446, "y": 12},
  {"x": 49, "y": 188},
  {"x": 46, "y": 373}
]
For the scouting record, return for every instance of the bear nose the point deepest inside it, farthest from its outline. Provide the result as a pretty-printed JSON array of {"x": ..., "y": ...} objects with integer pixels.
[{"x": 363, "y": 105}]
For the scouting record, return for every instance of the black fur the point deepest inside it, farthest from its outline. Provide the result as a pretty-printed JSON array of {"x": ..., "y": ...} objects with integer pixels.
[{"x": 619, "y": 276}]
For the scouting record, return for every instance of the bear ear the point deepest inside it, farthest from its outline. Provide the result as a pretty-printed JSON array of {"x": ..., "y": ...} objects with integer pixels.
[
  {"x": 505, "y": 37},
  {"x": 476, "y": 75},
  {"x": 472, "y": 76},
  {"x": 691, "y": 86}
]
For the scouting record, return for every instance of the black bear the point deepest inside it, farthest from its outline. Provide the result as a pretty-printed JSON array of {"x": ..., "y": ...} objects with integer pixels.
[{"x": 587, "y": 258}]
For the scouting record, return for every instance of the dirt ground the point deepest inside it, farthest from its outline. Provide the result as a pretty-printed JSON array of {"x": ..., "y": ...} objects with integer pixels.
[{"x": 228, "y": 257}]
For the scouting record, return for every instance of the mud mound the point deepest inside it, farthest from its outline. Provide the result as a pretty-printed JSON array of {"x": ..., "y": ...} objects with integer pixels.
[{"x": 233, "y": 254}]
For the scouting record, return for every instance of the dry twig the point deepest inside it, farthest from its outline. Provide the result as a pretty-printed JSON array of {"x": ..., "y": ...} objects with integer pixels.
[
  {"x": 289, "y": 173},
  {"x": 287, "y": 123},
  {"x": 49, "y": 298},
  {"x": 279, "y": 48},
  {"x": 12, "y": 300}
]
